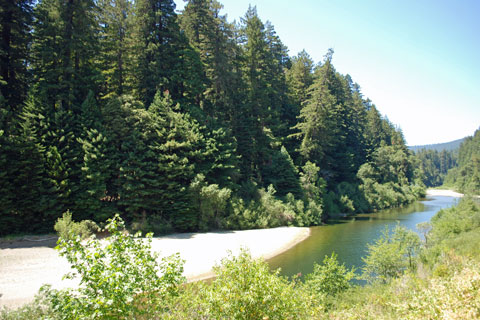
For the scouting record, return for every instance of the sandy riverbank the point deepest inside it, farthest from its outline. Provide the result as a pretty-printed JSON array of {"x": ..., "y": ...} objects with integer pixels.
[
  {"x": 447, "y": 193},
  {"x": 25, "y": 266}
]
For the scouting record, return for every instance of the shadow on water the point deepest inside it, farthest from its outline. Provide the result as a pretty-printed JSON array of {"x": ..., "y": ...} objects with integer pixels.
[{"x": 348, "y": 237}]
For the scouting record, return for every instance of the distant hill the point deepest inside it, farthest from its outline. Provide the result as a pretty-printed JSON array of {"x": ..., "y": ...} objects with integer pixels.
[{"x": 447, "y": 146}]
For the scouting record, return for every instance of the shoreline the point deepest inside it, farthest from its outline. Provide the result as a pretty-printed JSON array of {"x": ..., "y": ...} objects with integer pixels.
[
  {"x": 202, "y": 251},
  {"x": 444, "y": 193},
  {"x": 27, "y": 267}
]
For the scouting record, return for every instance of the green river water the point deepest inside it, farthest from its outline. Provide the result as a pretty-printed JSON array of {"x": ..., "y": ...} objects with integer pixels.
[{"x": 349, "y": 237}]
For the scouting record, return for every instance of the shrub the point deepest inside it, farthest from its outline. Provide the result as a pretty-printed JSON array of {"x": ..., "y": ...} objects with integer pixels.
[
  {"x": 390, "y": 255},
  {"x": 211, "y": 202},
  {"x": 40, "y": 308},
  {"x": 69, "y": 229},
  {"x": 120, "y": 277},
  {"x": 329, "y": 278},
  {"x": 266, "y": 212},
  {"x": 245, "y": 289}
]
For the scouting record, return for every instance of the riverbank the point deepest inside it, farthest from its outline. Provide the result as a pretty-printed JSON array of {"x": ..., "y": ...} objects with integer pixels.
[
  {"x": 443, "y": 192},
  {"x": 26, "y": 266}
]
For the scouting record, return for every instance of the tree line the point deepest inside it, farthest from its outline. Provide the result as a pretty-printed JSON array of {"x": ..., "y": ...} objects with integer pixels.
[
  {"x": 458, "y": 169},
  {"x": 434, "y": 165},
  {"x": 466, "y": 176},
  {"x": 181, "y": 122}
]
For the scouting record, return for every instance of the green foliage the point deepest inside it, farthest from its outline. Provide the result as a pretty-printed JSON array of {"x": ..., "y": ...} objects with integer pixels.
[
  {"x": 388, "y": 180},
  {"x": 245, "y": 289},
  {"x": 266, "y": 212},
  {"x": 466, "y": 177},
  {"x": 64, "y": 49},
  {"x": 69, "y": 230},
  {"x": 329, "y": 278},
  {"x": 131, "y": 102},
  {"x": 282, "y": 173},
  {"x": 16, "y": 18},
  {"x": 40, "y": 308},
  {"x": 434, "y": 165},
  {"x": 116, "y": 59},
  {"x": 390, "y": 255},
  {"x": 121, "y": 278},
  {"x": 211, "y": 202},
  {"x": 453, "y": 221},
  {"x": 454, "y": 228}
]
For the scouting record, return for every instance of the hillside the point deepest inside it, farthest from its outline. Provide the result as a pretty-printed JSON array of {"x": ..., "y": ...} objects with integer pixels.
[{"x": 447, "y": 146}]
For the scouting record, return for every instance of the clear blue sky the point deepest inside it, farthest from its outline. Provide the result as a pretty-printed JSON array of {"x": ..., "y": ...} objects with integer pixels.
[{"x": 417, "y": 60}]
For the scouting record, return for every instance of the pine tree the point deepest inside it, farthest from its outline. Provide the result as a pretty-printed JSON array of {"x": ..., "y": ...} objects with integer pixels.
[
  {"x": 177, "y": 151},
  {"x": 15, "y": 32},
  {"x": 262, "y": 63},
  {"x": 300, "y": 78},
  {"x": 91, "y": 201},
  {"x": 212, "y": 37},
  {"x": 165, "y": 61},
  {"x": 318, "y": 126},
  {"x": 117, "y": 55},
  {"x": 65, "y": 47},
  {"x": 28, "y": 198},
  {"x": 282, "y": 174}
]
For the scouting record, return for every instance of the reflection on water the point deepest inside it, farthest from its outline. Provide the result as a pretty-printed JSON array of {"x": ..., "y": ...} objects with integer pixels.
[{"x": 349, "y": 237}]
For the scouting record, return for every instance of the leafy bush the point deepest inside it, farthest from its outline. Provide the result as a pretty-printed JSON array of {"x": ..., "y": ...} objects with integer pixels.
[
  {"x": 390, "y": 255},
  {"x": 453, "y": 221},
  {"x": 246, "y": 289},
  {"x": 456, "y": 228},
  {"x": 40, "y": 308},
  {"x": 120, "y": 277},
  {"x": 69, "y": 229},
  {"x": 210, "y": 201},
  {"x": 266, "y": 212},
  {"x": 329, "y": 278}
]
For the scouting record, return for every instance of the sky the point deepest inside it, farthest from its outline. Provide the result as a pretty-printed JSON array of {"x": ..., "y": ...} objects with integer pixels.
[{"x": 417, "y": 60}]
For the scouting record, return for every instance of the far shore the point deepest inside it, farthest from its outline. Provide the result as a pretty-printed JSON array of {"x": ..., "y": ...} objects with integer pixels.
[
  {"x": 25, "y": 267},
  {"x": 444, "y": 192}
]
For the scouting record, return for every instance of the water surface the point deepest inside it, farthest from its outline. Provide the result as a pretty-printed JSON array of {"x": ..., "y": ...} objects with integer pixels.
[{"x": 349, "y": 237}]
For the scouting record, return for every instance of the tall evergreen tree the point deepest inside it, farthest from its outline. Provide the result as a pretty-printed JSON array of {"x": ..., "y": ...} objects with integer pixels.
[
  {"x": 165, "y": 60},
  {"x": 65, "y": 47},
  {"x": 263, "y": 63},
  {"x": 211, "y": 36},
  {"x": 318, "y": 127},
  {"x": 300, "y": 78},
  {"x": 115, "y": 18},
  {"x": 15, "y": 32}
]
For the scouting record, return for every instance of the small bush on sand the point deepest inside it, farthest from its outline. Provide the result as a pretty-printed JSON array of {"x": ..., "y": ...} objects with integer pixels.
[{"x": 69, "y": 229}]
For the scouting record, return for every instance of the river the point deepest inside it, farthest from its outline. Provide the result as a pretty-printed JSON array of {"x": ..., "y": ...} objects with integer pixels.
[{"x": 348, "y": 238}]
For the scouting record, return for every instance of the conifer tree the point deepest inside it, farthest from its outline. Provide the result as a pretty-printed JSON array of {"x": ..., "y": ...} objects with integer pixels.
[
  {"x": 211, "y": 36},
  {"x": 165, "y": 61},
  {"x": 95, "y": 166},
  {"x": 28, "y": 197},
  {"x": 65, "y": 47},
  {"x": 116, "y": 40},
  {"x": 15, "y": 38},
  {"x": 318, "y": 126},
  {"x": 300, "y": 78},
  {"x": 262, "y": 109},
  {"x": 177, "y": 151}
]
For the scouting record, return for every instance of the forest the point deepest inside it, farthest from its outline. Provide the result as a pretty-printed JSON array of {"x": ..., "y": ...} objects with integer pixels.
[
  {"x": 182, "y": 122},
  {"x": 457, "y": 169},
  {"x": 466, "y": 176}
]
